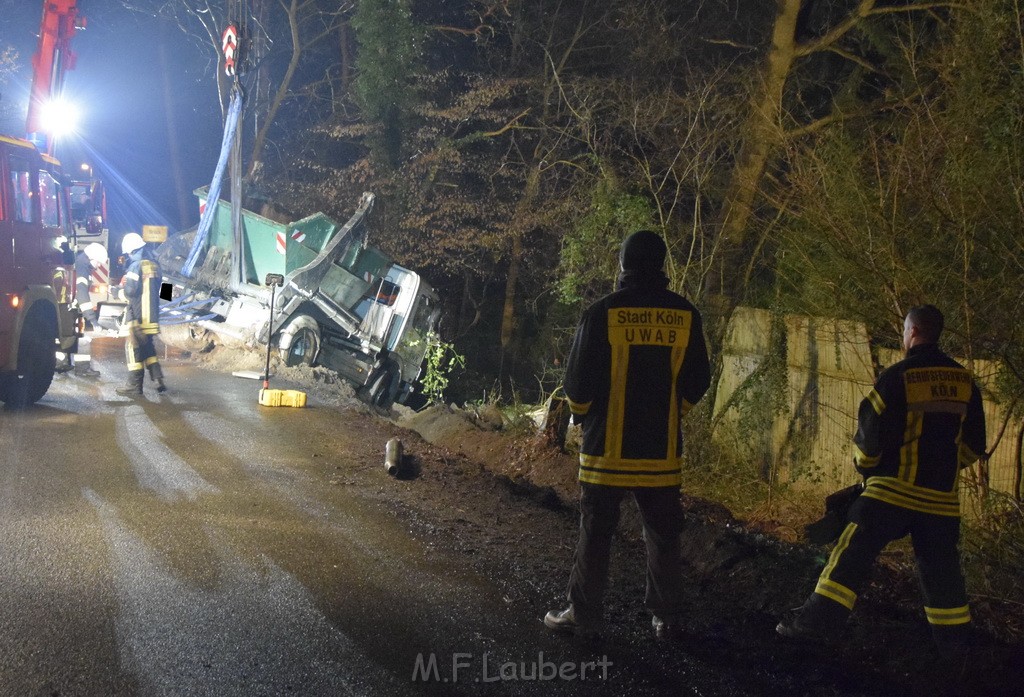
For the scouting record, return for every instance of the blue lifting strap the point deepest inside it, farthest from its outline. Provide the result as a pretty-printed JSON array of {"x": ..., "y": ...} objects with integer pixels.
[{"x": 213, "y": 196}]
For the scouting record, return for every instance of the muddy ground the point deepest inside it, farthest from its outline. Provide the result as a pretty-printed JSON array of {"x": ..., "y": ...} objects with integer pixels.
[{"x": 507, "y": 504}]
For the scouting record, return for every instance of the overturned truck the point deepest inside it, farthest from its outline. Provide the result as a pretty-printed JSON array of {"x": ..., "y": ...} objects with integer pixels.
[{"x": 341, "y": 304}]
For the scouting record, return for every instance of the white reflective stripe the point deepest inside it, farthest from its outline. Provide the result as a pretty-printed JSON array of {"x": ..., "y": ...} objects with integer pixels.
[
  {"x": 61, "y": 356},
  {"x": 132, "y": 275},
  {"x": 87, "y": 306},
  {"x": 81, "y": 357}
]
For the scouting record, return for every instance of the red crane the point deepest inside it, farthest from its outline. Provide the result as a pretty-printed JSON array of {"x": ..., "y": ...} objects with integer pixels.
[
  {"x": 52, "y": 59},
  {"x": 47, "y": 107}
]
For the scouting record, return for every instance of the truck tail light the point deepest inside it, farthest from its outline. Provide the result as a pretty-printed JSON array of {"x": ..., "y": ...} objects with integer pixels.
[{"x": 15, "y": 301}]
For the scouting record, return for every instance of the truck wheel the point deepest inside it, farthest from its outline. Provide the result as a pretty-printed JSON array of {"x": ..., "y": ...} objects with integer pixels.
[
  {"x": 384, "y": 389},
  {"x": 199, "y": 340},
  {"x": 37, "y": 361},
  {"x": 305, "y": 341}
]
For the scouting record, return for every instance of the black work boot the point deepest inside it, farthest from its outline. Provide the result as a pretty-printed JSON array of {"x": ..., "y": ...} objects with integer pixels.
[
  {"x": 134, "y": 384},
  {"x": 793, "y": 628},
  {"x": 567, "y": 622},
  {"x": 667, "y": 627},
  {"x": 156, "y": 374},
  {"x": 84, "y": 369}
]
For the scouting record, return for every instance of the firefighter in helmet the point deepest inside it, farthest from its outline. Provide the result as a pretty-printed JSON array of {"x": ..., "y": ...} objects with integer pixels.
[
  {"x": 141, "y": 284},
  {"x": 89, "y": 258},
  {"x": 86, "y": 260}
]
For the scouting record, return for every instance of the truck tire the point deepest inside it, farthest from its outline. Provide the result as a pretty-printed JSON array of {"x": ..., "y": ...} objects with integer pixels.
[
  {"x": 382, "y": 392},
  {"x": 304, "y": 345},
  {"x": 198, "y": 339},
  {"x": 37, "y": 361}
]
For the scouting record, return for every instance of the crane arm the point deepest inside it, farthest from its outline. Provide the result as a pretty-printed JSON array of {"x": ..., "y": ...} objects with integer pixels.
[{"x": 52, "y": 59}]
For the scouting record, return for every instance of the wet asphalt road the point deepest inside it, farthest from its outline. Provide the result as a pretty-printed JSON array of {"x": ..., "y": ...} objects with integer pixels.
[
  {"x": 165, "y": 546},
  {"x": 191, "y": 544}
]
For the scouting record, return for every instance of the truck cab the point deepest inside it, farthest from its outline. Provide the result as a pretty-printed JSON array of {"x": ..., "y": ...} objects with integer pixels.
[
  {"x": 37, "y": 280},
  {"x": 343, "y": 304}
]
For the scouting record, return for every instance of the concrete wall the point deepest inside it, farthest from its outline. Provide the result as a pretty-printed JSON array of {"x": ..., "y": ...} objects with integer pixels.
[{"x": 806, "y": 439}]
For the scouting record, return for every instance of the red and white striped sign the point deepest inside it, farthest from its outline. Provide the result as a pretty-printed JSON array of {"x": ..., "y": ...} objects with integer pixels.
[
  {"x": 100, "y": 274},
  {"x": 297, "y": 235}
]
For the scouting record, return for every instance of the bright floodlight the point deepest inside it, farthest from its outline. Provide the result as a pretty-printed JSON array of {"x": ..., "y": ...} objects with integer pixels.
[{"x": 59, "y": 118}]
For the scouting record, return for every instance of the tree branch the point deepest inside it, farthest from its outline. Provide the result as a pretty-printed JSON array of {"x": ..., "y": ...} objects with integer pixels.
[
  {"x": 818, "y": 124},
  {"x": 508, "y": 126},
  {"x": 839, "y": 31},
  {"x": 867, "y": 8},
  {"x": 854, "y": 58}
]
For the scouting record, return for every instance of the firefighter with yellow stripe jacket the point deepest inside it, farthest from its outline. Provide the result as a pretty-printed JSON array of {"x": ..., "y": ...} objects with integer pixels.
[
  {"x": 637, "y": 364},
  {"x": 920, "y": 425},
  {"x": 141, "y": 284}
]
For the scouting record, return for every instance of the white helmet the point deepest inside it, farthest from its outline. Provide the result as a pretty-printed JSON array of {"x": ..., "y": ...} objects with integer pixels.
[
  {"x": 131, "y": 242},
  {"x": 95, "y": 252}
]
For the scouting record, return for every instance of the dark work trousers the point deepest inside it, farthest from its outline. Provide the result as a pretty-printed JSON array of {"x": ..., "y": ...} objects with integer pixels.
[
  {"x": 599, "y": 515},
  {"x": 85, "y": 303},
  {"x": 876, "y": 524},
  {"x": 139, "y": 349}
]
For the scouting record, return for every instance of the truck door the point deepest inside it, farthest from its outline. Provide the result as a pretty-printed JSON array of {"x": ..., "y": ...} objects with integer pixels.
[
  {"x": 8, "y": 279},
  {"x": 55, "y": 252},
  {"x": 26, "y": 246},
  {"x": 6, "y": 222},
  {"x": 30, "y": 256}
]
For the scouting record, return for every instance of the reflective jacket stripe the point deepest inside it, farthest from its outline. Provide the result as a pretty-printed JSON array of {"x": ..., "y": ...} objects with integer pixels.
[{"x": 916, "y": 498}]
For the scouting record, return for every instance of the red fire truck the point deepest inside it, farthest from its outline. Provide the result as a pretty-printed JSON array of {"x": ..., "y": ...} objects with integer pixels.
[
  {"x": 36, "y": 272},
  {"x": 37, "y": 314}
]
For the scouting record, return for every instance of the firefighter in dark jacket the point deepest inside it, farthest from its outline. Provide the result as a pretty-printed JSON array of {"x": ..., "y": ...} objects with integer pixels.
[
  {"x": 142, "y": 279},
  {"x": 920, "y": 425},
  {"x": 638, "y": 363}
]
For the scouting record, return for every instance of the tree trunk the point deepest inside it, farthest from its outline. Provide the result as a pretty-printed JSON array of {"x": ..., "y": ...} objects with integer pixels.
[
  {"x": 345, "y": 48},
  {"x": 508, "y": 313},
  {"x": 762, "y": 134},
  {"x": 256, "y": 160},
  {"x": 1018, "y": 465}
]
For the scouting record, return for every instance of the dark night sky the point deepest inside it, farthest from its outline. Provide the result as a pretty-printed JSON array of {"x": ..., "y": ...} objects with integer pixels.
[{"x": 135, "y": 78}]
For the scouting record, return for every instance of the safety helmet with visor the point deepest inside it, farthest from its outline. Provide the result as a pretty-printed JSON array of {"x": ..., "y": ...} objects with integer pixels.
[
  {"x": 95, "y": 253},
  {"x": 131, "y": 242}
]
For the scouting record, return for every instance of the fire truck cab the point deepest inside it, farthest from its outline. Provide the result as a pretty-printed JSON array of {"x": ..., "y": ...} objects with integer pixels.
[{"x": 37, "y": 316}]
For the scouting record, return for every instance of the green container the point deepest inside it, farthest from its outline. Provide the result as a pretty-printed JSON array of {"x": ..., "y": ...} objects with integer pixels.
[{"x": 282, "y": 248}]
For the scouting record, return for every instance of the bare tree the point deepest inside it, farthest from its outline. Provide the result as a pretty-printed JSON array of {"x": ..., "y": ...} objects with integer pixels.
[
  {"x": 769, "y": 124},
  {"x": 302, "y": 26}
]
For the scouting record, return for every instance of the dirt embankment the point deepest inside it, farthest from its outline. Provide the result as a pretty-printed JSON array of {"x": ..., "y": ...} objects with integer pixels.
[
  {"x": 740, "y": 581},
  {"x": 743, "y": 580}
]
